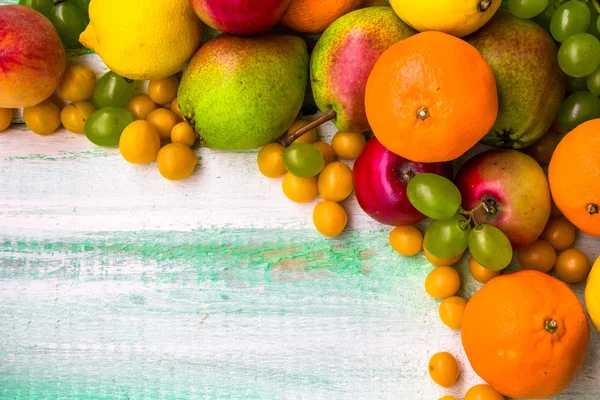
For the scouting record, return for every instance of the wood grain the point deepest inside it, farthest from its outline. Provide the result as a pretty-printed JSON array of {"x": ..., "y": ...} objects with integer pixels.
[{"x": 118, "y": 284}]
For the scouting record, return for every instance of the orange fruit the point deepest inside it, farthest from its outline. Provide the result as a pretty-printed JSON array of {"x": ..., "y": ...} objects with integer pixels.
[
  {"x": 574, "y": 176},
  {"x": 422, "y": 96},
  {"x": 483, "y": 392},
  {"x": 314, "y": 16},
  {"x": 525, "y": 334}
]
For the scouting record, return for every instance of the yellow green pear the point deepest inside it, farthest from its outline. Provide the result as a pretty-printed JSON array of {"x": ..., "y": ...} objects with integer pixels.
[{"x": 141, "y": 39}]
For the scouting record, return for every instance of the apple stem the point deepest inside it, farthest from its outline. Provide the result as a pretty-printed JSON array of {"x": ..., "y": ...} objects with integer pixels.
[
  {"x": 551, "y": 325},
  {"x": 592, "y": 209},
  {"x": 287, "y": 139}
]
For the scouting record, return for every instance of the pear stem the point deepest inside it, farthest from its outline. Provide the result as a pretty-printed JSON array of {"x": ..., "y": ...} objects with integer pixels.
[{"x": 289, "y": 138}]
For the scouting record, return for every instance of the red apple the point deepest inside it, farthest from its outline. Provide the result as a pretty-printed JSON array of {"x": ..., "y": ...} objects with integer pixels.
[
  {"x": 32, "y": 58},
  {"x": 380, "y": 179},
  {"x": 240, "y": 17},
  {"x": 511, "y": 191}
]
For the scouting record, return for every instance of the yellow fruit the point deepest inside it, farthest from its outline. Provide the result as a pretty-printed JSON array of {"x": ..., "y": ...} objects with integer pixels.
[
  {"x": 183, "y": 133},
  {"x": 458, "y": 18},
  {"x": 141, "y": 107},
  {"x": 5, "y": 118},
  {"x": 163, "y": 91},
  {"x": 308, "y": 137},
  {"x": 336, "y": 182},
  {"x": 483, "y": 392},
  {"x": 78, "y": 83},
  {"x": 141, "y": 39},
  {"x": 42, "y": 119},
  {"x": 442, "y": 282},
  {"x": 270, "y": 160},
  {"x": 480, "y": 273},
  {"x": 451, "y": 311},
  {"x": 139, "y": 143},
  {"x": 448, "y": 398},
  {"x": 406, "y": 240},
  {"x": 330, "y": 218},
  {"x": 592, "y": 294},
  {"x": 164, "y": 121},
  {"x": 74, "y": 115},
  {"x": 443, "y": 369},
  {"x": 175, "y": 108},
  {"x": 299, "y": 190},
  {"x": 327, "y": 151},
  {"x": 176, "y": 161},
  {"x": 348, "y": 145}
]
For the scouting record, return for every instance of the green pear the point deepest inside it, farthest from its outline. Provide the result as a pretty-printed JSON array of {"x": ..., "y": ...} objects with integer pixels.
[
  {"x": 241, "y": 93},
  {"x": 531, "y": 85}
]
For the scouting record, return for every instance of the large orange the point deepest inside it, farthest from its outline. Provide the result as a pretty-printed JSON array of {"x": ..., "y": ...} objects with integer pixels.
[
  {"x": 314, "y": 16},
  {"x": 431, "y": 97},
  {"x": 525, "y": 334},
  {"x": 574, "y": 176}
]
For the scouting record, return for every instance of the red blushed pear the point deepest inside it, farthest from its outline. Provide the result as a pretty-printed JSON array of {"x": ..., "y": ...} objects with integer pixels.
[
  {"x": 32, "y": 58},
  {"x": 510, "y": 191},
  {"x": 342, "y": 61},
  {"x": 240, "y": 17},
  {"x": 380, "y": 179}
]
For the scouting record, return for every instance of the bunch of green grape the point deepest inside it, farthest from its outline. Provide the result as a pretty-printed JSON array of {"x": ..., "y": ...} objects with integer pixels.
[
  {"x": 575, "y": 26},
  {"x": 454, "y": 230},
  {"x": 111, "y": 96},
  {"x": 69, "y": 17}
]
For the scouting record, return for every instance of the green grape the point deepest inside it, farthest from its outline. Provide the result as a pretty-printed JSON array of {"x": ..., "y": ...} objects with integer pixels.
[
  {"x": 104, "y": 126},
  {"x": 546, "y": 16},
  {"x": 576, "y": 84},
  {"x": 571, "y": 18},
  {"x": 113, "y": 90},
  {"x": 83, "y": 5},
  {"x": 593, "y": 82},
  {"x": 598, "y": 24},
  {"x": 527, "y": 8},
  {"x": 578, "y": 108},
  {"x": 69, "y": 22},
  {"x": 579, "y": 55},
  {"x": 490, "y": 247},
  {"x": 447, "y": 238},
  {"x": 434, "y": 196},
  {"x": 303, "y": 160},
  {"x": 42, "y": 6},
  {"x": 593, "y": 28}
]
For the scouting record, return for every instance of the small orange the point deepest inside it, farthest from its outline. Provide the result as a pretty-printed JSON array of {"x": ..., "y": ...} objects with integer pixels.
[
  {"x": 406, "y": 240},
  {"x": 452, "y": 310},
  {"x": 448, "y": 398},
  {"x": 559, "y": 232},
  {"x": 442, "y": 282},
  {"x": 336, "y": 182},
  {"x": 330, "y": 218},
  {"x": 164, "y": 121},
  {"x": 299, "y": 190},
  {"x": 440, "y": 262},
  {"x": 327, "y": 151},
  {"x": 270, "y": 160},
  {"x": 422, "y": 95},
  {"x": 572, "y": 266},
  {"x": 443, "y": 369},
  {"x": 574, "y": 176},
  {"x": 539, "y": 255},
  {"x": 314, "y": 16},
  {"x": 526, "y": 334},
  {"x": 480, "y": 273},
  {"x": 348, "y": 145},
  {"x": 483, "y": 392}
]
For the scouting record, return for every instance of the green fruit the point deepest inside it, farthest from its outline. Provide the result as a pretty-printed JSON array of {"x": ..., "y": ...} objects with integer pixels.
[
  {"x": 579, "y": 55},
  {"x": 448, "y": 238},
  {"x": 243, "y": 92},
  {"x": 434, "y": 195},
  {"x": 42, "y": 6},
  {"x": 303, "y": 160},
  {"x": 576, "y": 84},
  {"x": 592, "y": 82},
  {"x": 344, "y": 57},
  {"x": 104, "y": 126},
  {"x": 571, "y": 18},
  {"x": 545, "y": 17},
  {"x": 112, "y": 90},
  {"x": 490, "y": 247},
  {"x": 531, "y": 85},
  {"x": 577, "y": 109},
  {"x": 69, "y": 22}
]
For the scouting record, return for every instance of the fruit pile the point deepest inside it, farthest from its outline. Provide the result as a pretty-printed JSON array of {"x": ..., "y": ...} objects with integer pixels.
[{"x": 412, "y": 87}]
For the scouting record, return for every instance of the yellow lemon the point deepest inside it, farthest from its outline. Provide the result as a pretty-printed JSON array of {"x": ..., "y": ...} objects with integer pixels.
[
  {"x": 592, "y": 295},
  {"x": 141, "y": 39},
  {"x": 455, "y": 17}
]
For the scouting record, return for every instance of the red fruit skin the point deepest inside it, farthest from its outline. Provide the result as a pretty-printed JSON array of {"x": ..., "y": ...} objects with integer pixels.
[
  {"x": 518, "y": 186},
  {"x": 380, "y": 179},
  {"x": 32, "y": 57},
  {"x": 240, "y": 17}
]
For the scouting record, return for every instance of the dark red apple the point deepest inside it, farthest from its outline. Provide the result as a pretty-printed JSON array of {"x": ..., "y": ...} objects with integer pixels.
[
  {"x": 511, "y": 191},
  {"x": 240, "y": 17},
  {"x": 380, "y": 179}
]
